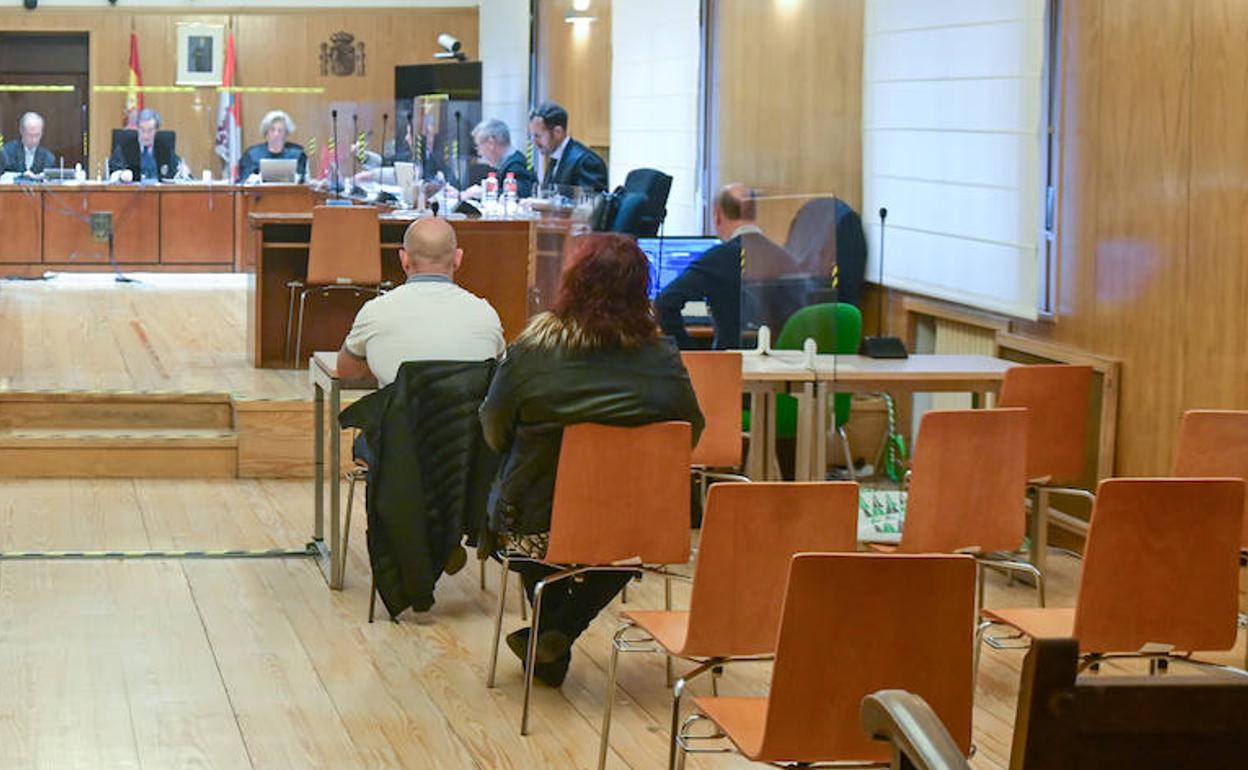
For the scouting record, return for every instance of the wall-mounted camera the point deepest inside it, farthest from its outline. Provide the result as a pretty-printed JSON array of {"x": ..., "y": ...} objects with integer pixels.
[{"x": 450, "y": 48}]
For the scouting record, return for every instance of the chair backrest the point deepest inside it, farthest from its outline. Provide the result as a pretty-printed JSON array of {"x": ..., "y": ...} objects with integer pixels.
[
  {"x": 655, "y": 186},
  {"x": 750, "y": 533},
  {"x": 1067, "y": 722},
  {"x": 1161, "y": 565},
  {"x": 716, "y": 378},
  {"x": 835, "y": 328},
  {"x": 812, "y": 235},
  {"x": 1214, "y": 443},
  {"x": 622, "y": 495},
  {"x": 346, "y": 246},
  {"x": 967, "y": 481},
  {"x": 1057, "y": 397},
  {"x": 852, "y": 624}
]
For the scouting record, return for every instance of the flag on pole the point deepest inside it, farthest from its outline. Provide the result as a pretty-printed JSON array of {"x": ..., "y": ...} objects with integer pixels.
[
  {"x": 229, "y": 116},
  {"x": 134, "y": 96}
]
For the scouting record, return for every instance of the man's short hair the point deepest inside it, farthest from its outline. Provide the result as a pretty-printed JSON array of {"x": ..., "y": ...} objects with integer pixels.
[
  {"x": 551, "y": 114},
  {"x": 430, "y": 240},
  {"x": 737, "y": 202},
  {"x": 147, "y": 114},
  {"x": 26, "y": 117},
  {"x": 494, "y": 129}
]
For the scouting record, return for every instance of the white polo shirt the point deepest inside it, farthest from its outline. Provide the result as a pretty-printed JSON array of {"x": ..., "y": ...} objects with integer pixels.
[{"x": 428, "y": 318}]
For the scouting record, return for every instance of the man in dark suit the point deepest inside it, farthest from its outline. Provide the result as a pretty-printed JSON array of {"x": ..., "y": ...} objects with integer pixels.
[
  {"x": 568, "y": 162},
  {"x": 746, "y": 257},
  {"x": 493, "y": 140},
  {"x": 146, "y": 154},
  {"x": 25, "y": 155}
]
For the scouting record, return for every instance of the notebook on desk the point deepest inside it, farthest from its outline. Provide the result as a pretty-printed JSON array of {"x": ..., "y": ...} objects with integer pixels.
[{"x": 881, "y": 515}]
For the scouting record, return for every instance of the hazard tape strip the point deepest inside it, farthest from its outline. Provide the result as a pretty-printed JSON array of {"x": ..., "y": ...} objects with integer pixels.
[{"x": 230, "y": 553}]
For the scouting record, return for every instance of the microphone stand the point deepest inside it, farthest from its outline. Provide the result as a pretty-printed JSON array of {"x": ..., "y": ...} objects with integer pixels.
[
  {"x": 382, "y": 195},
  {"x": 355, "y": 155},
  {"x": 881, "y": 346},
  {"x": 336, "y": 185}
]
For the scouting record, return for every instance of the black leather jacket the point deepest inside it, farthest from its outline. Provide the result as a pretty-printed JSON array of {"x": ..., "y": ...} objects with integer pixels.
[
  {"x": 539, "y": 388},
  {"x": 430, "y": 473}
]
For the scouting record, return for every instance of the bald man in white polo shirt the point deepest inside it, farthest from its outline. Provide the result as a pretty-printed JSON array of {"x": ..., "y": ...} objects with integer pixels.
[{"x": 429, "y": 318}]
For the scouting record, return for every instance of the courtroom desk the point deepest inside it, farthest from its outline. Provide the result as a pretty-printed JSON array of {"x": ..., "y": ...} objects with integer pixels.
[
  {"x": 197, "y": 225},
  {"x": 21, "y": 224},
  {"x": 266, "y": 199},
  {"x": 67, "y": 212},
  {"x": 498, "y": 265}
]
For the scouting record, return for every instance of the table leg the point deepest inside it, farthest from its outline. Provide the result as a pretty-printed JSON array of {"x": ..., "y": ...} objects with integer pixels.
[
  {"x": 756, "y": 434},
  {"x": 335, "y": 488},
  {"x": 822, "y": 391},
  {"x": 807, "y": 434},
  {"x": 318, "y": 462},
  {"x": 1038, "y": 555},
  {"x": 771, "y": 469}
]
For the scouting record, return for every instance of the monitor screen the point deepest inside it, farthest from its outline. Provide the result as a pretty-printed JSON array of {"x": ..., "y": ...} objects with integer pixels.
[{"x": 670, "y": 256}]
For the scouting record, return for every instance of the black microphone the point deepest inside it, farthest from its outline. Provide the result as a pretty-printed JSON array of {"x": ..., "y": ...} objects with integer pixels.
[
  {"x": 880, "y": 346},
  {"x": 385, "y": 120},
  {"x": 355, "y": 154},
  {"x": 459, "y": 153},
  {"x": 382, "y": 195},
  {"x": 337, "y": 183}
]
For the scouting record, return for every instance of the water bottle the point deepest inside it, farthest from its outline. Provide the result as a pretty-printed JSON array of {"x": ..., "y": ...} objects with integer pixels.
[
  {"x": 509, "y": 194},
  {"x": 490, "y": 194}
]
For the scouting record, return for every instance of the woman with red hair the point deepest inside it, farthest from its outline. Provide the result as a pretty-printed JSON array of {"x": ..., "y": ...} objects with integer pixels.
[{"x": 596, "y": 357}]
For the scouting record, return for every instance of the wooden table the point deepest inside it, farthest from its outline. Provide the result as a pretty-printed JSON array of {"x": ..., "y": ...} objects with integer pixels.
[
  {"x": 184, "y": 227},
  {"x": 323, "y": 371},
  {"x": 498, "y": 265},
  {"x": 763, "y": 376},
  {"x": 978, "y": 375}
]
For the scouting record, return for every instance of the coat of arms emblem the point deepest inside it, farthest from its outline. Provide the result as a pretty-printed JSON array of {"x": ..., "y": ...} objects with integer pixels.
[{"x": 342, "y": 56}]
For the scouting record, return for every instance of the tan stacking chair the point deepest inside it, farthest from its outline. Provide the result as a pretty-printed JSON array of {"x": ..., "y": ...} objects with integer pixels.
[
  {"x": 621, "y": 504},
  {"x": 749, "y": 535},
  {"x": 1214, "y": 442},
  {"x": 1160, "y": 573},
  {"x": 1056, "y": 396},
  {"x": 852, "y": 624},
  {"x": 345, "y": 255}
]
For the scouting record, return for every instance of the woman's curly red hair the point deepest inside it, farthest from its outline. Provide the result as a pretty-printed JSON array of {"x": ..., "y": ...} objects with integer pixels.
[{"x": 604, "y": 290}]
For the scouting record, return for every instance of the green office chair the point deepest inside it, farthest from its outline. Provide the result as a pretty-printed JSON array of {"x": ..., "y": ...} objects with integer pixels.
[{"x": 835, "y": 328}]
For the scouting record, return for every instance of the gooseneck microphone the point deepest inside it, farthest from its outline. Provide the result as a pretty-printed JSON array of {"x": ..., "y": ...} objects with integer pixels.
[
  {"x": 881, "y": 346},
  {"x": 337, "y": 183}
]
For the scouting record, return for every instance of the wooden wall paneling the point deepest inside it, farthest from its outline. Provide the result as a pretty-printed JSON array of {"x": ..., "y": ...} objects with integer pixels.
[
  {"x": 574, "y": 69},
  {"x": 1215, "y": 345},
  {"x": 788, "y": 101}
]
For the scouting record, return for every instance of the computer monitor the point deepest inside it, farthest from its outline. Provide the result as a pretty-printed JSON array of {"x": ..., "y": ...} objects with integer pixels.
[{"x": 670, "y": 256}]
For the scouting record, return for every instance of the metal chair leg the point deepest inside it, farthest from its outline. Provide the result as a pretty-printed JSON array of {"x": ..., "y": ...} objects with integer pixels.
[
  {"x": 481, "y": 562},
  {"x": 849, "y": 455},
  {"x": 290, "y": 319},
  {"x": 673, "y": 761},
  {"x": 609, "y": 703},
  {"x": 372, "y": 598},
  {"x": 524, "y": 602},
  {"x": 531, "y": 655},
  {"x": 346, "y": 527},
  {"x": 303, "y": 298},
  {"x": 624, "y": 594},
  {"x": 498, "y": 623}
]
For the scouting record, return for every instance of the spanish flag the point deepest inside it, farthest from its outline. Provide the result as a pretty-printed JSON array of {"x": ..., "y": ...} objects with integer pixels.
[{"x": 134, "y": 96}]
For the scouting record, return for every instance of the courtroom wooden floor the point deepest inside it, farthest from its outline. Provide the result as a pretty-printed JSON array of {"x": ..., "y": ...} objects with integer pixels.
[{"x": 255, "y": 663}]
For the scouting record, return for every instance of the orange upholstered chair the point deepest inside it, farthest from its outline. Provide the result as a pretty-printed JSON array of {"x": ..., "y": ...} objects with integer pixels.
[
  {"x": 1056, "y": 395},
  {"x": 1160, "y": 572},
  {"x": 345, "y": 254},
  {"x": 1214, "y": 442},
  {"x": 749, "y": 535},
  {"x": 852, "y": 624},
  {"x": 621, "y": 504}
]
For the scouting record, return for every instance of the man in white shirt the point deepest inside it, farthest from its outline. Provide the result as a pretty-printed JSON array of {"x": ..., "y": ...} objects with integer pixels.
[{"x": 428, "y": 318}]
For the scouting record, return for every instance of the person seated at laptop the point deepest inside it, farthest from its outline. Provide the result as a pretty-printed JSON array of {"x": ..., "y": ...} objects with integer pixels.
[
  {"x": 276, "y": 127},
  {"x": 146, "y": 154},
  {"x": 26, "y": 156},
  {"x": 715, "y": 277},
  {"x": 596, "y": 357}
]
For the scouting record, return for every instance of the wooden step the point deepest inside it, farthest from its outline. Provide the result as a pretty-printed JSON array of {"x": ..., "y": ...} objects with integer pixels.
[
  {"x": 114, "y": 410},
  {"x": 98, "y": 453}
]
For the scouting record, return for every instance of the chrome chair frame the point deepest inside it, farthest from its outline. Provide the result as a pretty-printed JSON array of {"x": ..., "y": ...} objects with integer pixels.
[
  {"x": 683, "y": 745},
  {"x": 295, "y": 286},
  {"x": 506, "y": 559}
]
